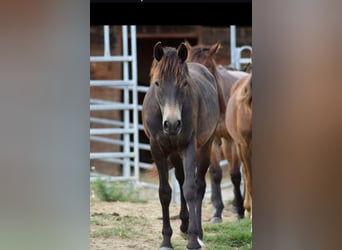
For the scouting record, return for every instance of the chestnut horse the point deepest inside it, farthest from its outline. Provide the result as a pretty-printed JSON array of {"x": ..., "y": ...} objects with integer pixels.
[
  {"x": 239, "y": 125},
  {"x": 223, "y": 146},
  {"x": 180, "y": 114}
]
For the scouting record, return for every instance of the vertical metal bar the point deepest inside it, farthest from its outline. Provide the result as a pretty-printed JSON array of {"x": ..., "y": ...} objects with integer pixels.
[
  {"x": 135, "y": 101},
  {"x": 126, "y": 165},
  {"x": 232, "y": 45},
  {"x": 106, "y": 38}
]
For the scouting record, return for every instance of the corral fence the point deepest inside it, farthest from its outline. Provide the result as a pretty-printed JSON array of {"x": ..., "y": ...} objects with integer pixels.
[{"x": 122, "y": 131}]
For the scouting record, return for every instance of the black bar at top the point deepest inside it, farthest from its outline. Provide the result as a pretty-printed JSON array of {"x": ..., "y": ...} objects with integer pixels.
[{"x": 144, "y": 13}]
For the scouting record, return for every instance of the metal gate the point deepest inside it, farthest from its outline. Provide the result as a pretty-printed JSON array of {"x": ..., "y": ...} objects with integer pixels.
[{"x": 128, "y": 126}]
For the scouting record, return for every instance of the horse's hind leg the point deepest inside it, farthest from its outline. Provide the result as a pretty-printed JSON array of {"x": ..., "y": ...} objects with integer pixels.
[
  {"x": 215, "y": 173},
  {"x": 231, "y": 154},
  {"x": 184, "y": 213},
  {"x": 247, "y": 156}
]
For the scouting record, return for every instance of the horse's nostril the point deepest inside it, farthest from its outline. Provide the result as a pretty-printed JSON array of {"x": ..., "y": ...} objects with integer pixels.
[
  {"x": 166, "y": 125},
  {"x": 179, "y": 124}
]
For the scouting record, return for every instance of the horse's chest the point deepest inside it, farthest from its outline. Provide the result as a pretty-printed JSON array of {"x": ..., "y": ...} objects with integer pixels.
[{"x": 170, "y": 144}]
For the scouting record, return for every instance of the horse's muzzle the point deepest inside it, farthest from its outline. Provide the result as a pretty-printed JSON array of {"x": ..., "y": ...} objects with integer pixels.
[{"x": 172, "y": 128}]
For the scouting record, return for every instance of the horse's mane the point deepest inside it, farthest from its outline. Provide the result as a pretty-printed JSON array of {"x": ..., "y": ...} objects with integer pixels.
[
  {"x": 169, "y": 67},
  {"x": 199, "y": 53}
]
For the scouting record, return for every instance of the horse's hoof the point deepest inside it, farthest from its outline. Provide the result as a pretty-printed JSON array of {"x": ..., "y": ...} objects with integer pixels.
[
  {"x": 165, "y": 248},
  {"x": 185, "y": 236},
  {"x": 202, "y": 246},
  {"x": 248, "y": 215},
  {"x": 215, "y": 220},
  {"x": 201, "y": 243}
]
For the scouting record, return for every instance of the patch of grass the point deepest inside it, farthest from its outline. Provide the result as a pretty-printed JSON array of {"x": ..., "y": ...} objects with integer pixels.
[
  {"x": 115, "y": 225},
  {"x": 97, "y": 222},
  {"x": 116, "y": 191},
  {"x": 110, "y": 232},
  {"x": 228, "y": 235}
]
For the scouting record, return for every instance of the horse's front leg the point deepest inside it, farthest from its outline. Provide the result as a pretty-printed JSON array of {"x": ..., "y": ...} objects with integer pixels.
[
  {"x": 164, "y": 196},
  {"x": 202, "y": 167},
  {"x": 189, "y": 190},
  {"x": 184, "y": 213}
]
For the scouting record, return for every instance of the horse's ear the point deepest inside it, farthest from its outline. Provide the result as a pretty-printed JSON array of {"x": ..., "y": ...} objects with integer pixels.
[
  {"x": 215, "y": 48},
  {"x": 182, "y": 52},
  {"x": 158, "y": 51},
  {"x": 187, "y": 44}
]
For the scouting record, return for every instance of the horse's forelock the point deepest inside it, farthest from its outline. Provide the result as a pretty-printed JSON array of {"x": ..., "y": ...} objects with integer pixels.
[{"x": 169, "y": 67}]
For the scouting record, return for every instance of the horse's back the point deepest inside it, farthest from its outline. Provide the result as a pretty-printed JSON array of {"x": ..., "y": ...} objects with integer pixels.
[
  {"x": 237, "y": 74},
  {"x": 228, "y": 79}
]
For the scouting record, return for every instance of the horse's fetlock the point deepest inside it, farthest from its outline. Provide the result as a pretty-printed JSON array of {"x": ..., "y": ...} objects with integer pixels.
[{"x": 167, "y": 231}]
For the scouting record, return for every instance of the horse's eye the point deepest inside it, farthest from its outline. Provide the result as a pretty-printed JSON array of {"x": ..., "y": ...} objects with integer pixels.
[
  {"x": 185, "y": 83},
  {"x": 157, "y": 84}
]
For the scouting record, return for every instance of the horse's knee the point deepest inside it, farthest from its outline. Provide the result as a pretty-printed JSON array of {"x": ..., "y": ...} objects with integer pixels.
[
  {"x": 165, "y": 194},
  {"x": 189, "y": 192}
]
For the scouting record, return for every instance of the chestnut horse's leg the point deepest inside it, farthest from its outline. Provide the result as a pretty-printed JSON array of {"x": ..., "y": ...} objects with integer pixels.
[
  {"x": 164, "y": 195},
  {"x": 184, "y": 213},
  {"x": 215, "y": 172},
  {"x": 247, "y": 170},
  {"x": 189, "y": 188},
  {"x": 231, "y": 154}
]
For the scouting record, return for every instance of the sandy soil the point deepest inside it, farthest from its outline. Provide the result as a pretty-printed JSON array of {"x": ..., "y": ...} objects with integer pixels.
[{"x": 143, "y": 222}]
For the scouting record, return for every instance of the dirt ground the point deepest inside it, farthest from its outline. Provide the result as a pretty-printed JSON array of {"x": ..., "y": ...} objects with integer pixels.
[{"x": 143, "y": 222}]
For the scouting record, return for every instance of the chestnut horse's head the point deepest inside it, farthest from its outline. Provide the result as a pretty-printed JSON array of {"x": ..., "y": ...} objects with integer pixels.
[{"x": 204, "y": 54}]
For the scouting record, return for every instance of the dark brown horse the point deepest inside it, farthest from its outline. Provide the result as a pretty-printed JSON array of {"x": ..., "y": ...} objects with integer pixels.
[
  {"x": 239, "y": 125},
  {"x": 223, "y": 146},
  {"x": 180, "y": 114}
]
